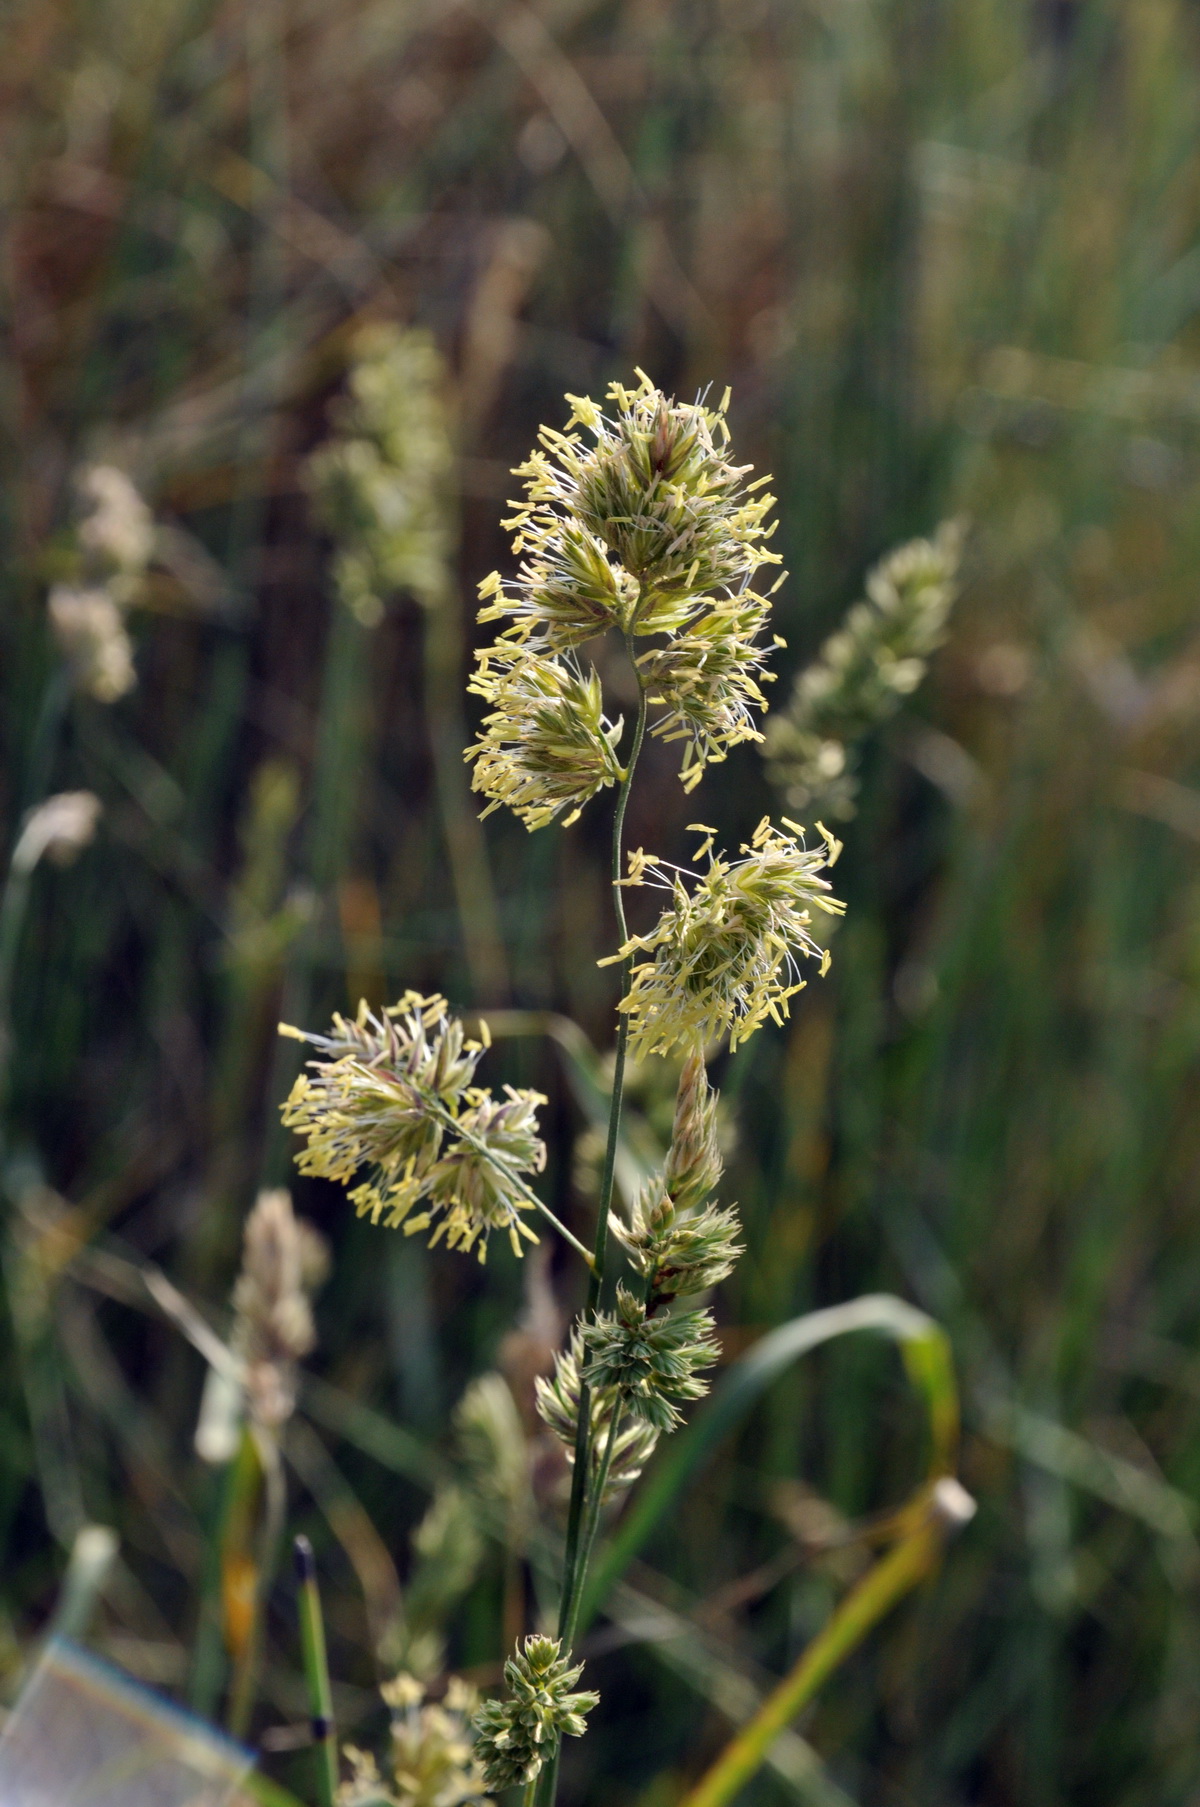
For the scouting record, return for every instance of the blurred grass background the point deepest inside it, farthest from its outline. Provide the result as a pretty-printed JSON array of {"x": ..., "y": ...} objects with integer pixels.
[{"x": 947, "y": 254}]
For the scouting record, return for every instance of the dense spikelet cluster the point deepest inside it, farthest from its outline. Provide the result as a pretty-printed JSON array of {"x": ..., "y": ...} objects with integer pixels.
[
  {"x": 381, "y": 483},
  {"x": 547, "y": 744},
  {"x": 863, "y": 673},
  {"x": 649, "y": 1363},
  {"x": 430, "y": 1761},
  {"x": 558, "y": 1407},
  {"x": 113, "y": 544},
  {"x": 284, "y": 1259},
  {"x": 676, "y": 1241},
  {"x": 634, "y": 520},
  {"x": 513, "y": 1737},
  {"x": 723, "y": 957},
  {"x": 393, "y": 1094}
]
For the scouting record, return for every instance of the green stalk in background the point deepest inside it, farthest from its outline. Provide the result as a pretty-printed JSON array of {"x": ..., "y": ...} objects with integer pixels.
[{"x": 316, "y": 1670}]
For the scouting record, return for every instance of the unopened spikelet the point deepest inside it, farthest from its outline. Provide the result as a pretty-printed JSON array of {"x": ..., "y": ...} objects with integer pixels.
[
  {"x": 724, "y": 954},
  {"x": 678, "y": 1254},
  {"x": 694, "y": 1164},
  {"x": 558, "y": 1407},
  {"x": 650, "y": 1363},
  {"x": 676, "y": 1241},
  {"x": 381, "y": 483},
  {"x": 514, "y": 1737},
  {"x": 863, "y": 673},
  {"x": 547, "y": 744},
  {"x": 393, "y": 1095}
]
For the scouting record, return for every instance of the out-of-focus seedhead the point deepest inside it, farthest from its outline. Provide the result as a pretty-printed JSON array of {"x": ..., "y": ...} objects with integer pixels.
[
  {"x": 863, "y": 673},
  {"x": 382, "y": 483},
  {"x": 429, "y": 1762},
  {"x": 284, "y": 1260}
]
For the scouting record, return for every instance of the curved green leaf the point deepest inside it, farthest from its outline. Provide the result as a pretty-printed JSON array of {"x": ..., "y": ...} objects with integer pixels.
[{"x": 928, "y": 1362}]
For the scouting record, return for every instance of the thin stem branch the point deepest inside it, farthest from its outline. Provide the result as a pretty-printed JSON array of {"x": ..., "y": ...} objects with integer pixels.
[{"x": 592, "y": 1525}]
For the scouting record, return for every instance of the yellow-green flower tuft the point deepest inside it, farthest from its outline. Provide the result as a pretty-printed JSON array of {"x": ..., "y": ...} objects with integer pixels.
[
  {"x": 547, "y": 744},
  {"x": 723, "y": 957},
  {"x": 393, "y": 1094}
]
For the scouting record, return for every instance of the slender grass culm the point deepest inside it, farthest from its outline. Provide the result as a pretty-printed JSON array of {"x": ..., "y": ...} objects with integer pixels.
[{"x": 636, "y": 523}]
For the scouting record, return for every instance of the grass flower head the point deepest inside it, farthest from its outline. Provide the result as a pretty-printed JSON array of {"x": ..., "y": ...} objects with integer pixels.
[
  {"x": 558, "y": 1407},
  {"x": 635, "y": 530},
  {"x": 649, "y": 1363},
  {"x": 393, "y": 1094},
  {"x": 546, "y": 745},
  {"x": 723, "y": 957},
  {"x": 514, "y": 1737}
]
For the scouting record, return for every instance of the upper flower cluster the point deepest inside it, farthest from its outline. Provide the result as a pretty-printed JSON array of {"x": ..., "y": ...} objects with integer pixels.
[
  {"x": 723, "y": 955},
  {"x": 394, "y": 1094},
  {"x": 635, "y": 520}
]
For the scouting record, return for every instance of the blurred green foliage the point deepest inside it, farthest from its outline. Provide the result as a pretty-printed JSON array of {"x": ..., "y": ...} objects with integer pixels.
[{"x": 948, "y": 257}]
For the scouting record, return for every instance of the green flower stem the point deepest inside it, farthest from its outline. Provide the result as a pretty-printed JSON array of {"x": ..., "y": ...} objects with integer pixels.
[
  {"x": 593, "y": 1520},
  {"x": 575, "y": 1557},
  {"x": 618, "y": 1087},
  {"x": 316, "y": 1669},
  {"x": 906, "y": 1564}
]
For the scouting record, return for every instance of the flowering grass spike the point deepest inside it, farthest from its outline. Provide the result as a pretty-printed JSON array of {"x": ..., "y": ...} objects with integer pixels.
[
  {"x": 393, "y": 1094},
  {"x": 723, "y": 956},
  {"x": 649, "y": 530},
  {"x": 514, "y": 1737},
  {"x": 547, "y": 744}
]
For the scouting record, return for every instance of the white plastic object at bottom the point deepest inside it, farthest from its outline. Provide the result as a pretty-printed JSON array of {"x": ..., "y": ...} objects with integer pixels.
[{"x": 82, "y": 1734}]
